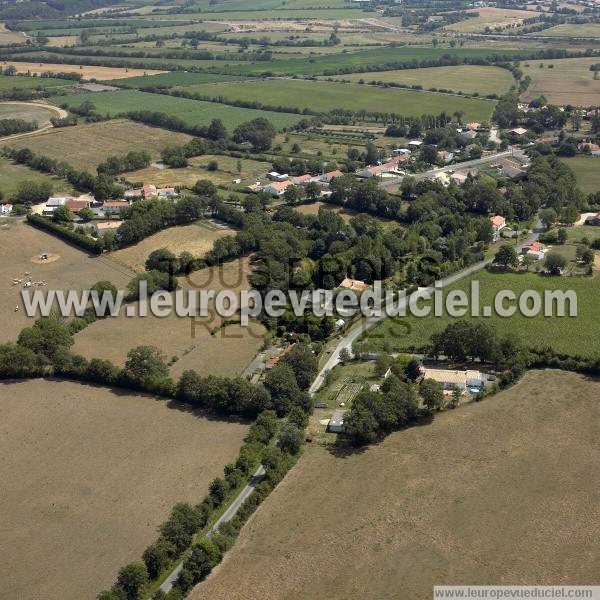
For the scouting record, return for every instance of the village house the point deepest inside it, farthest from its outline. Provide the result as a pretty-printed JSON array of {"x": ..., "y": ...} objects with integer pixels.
[
  {"x": 378, "y": 170},
  {"x": 498, "y": 224},
  {"x": 254, "y": 187},
  {"x": 330, "y": 176},
  {"x": 445, "y": 156},
  {"x": 470, "y": 135},
  {"x": 277, "y": 188},
  {"x": 302, "y": 179},
  {"x": 510, "y": 169},
  {"x": 354, "y": 284},
  {"x": 535, "y": 250},
  {"x": 474, "y": 126},
  {"x": 415, "y": 144},
  {"x": 401, "y": 152}
]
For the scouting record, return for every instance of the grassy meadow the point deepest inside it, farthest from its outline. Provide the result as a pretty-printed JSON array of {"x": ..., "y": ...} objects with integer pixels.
[{"x": 587, "y": 171}]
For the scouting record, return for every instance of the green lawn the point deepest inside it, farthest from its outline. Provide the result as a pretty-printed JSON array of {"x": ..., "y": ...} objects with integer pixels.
[
  {"x": 325, "y": 96},
  {"x": 12, "y": 175},
  {"x": 466, "y": 78},
  {"x": 587, "y": 170},
  {"x": 571, "y": 335},
  {"x": 191, "y": 111}
]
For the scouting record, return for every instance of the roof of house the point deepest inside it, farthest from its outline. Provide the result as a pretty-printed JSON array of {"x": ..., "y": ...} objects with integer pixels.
[
  {"x": 115, "y": 204},
  {"x": 354, "y": 284},
  {"x": 275, "y": 359},
  {"x": 518, "y": 130},
  {"x": 473, "y": 125},
  {"x": 534, "y": 247},
  {"x": 279, "y": 185},
  {"x": 76, "y": 205},
  {"x": 415, "y": 143},
  {"x": 305, "y": 177},
  {"x": 446, "y": 376},
  {"x": 498, "y": 221},
  {"x": 334, "y": 174},
  {"x": 469, "y": 134}
]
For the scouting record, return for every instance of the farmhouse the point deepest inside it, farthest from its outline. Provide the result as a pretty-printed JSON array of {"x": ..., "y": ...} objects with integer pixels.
[
  {"x": 336, "y": 423},
  {"x": 277, "y": 188},
  {"x": 498, "y": 223},
  {"x": 54, "y": 202},
  {"x": 450, "y": 379},
  {"x": 149, "y": 190},
  {"x": 354, "y": 284},
  {"x": 114, "y": 206},
  {"x": 76, "y": 205},
  {"x": 510, "y": 169}
]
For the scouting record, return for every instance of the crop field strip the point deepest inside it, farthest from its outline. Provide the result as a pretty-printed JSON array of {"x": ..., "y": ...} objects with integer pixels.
[
  {"x": 193, "y": 112},
  {"x": 325, "y": 96}
]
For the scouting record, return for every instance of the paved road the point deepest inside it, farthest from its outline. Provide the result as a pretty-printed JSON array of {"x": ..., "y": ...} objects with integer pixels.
[
  {"x": 225, "y": 517},
  {"x": 354, "y": 333},
  {"x": 385, "y": 183}
]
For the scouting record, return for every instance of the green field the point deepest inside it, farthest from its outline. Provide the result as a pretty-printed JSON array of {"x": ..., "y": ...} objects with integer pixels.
[
  {"x": 587, "y": 170},
  {"x": 576, "y": 335},
  {"x": 22, "y": 82},
  {"x": 12, "y": 175},
  {"x": 372, "y": 59},
  {"x": 466, "y": 78},
  {"x": 170, "y": 80},
  {"x": 325, "y": 96},
  {"x": 191, "y": 111}
]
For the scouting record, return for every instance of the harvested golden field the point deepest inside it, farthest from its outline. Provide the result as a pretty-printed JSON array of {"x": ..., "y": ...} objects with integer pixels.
[
  {"x": 564, "y": 81},
  {"x": 197, "y": 238},
  {"x": 226, "y": 173},
  {"x": 10, "y": 37},
  {"x": 88, "y": 473},
  {"x": 94, "y": 142},
  {"x": 491, "y": 18},
  {"x": 200, "y": 344},
  {"x": 86, "y": 71},
  {"x": 20, "y": 248},
  {"x": 505, "y": 491}
]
